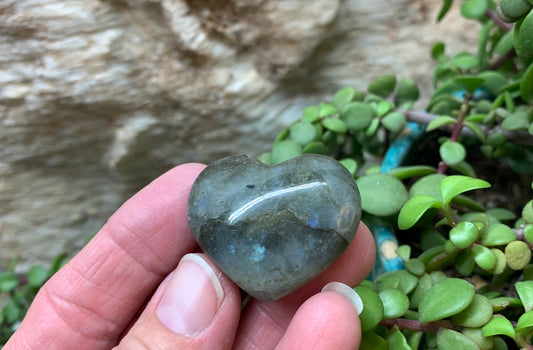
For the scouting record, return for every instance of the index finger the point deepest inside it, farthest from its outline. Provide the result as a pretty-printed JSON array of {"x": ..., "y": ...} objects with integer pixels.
[{"x": 90, "y": 301}]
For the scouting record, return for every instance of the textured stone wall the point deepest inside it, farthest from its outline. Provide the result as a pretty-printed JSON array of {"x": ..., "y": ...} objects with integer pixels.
[{"x": 99, "y": 97}]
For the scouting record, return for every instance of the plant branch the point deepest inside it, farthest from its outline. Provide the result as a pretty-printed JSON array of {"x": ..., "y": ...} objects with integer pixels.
[
  {"x": 493, "y": 15},
  {"x": 415, "y": 325},
  {"x": 502, "y": 59},
  {"x": 517, "y": 136},
  {"x": 457, "y": 127}
]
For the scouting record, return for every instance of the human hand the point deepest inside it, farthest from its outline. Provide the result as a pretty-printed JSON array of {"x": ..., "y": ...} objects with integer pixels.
[{"x": 123, "y": 290}]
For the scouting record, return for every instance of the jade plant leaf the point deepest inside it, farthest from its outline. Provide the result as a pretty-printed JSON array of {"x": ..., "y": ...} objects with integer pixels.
[
  {"x": 373, "y": 308},
  {"x": 357, "y": 115},
  {"x": 285, "y": 150},
  {"x": 395, "y": 303},
  {"x": 343, "y": 97},
  {"x": 525, "y": 323},
  {"x": 474, "y": 9},
  {"x": 497, "y": 234},
  {"x": 526, "y": 86},
  {"x": 464, "y": 234},
  {"x": 404, "y": 252},
  {"x": 477, "y": 314},
  {"x": 415, "y": 266},
  {"x": 498, "y": 325},
  {"x": 397, "y": 340},
  {"x": 8, "y": 281},
  {"x": 326, "y": 110},
  {"x": 381, "y": 194},
  {"x": 414, "y": 209},
  {"x": 394, "y": 121},
  {"x": 372, "y": 341},
  {"x": 349, "y": 164},
  {"x": 405, "y": 172},
  {"x": 454, "y": 185},
  {"x": 424, "y": 284},
  {"x": 470, "y": 83},
  {"x": 302, "y": 132},
  {"x": 310, "y": 114},
  {"x": 406, "y": 91},
  {"x": 452, "y": 152},
  {"x": 335, "y": 125},
  {"x": 444, "y": 299},
  {"x": 383, "y": 86},
  {"x": 37, "y": 275},
  {"x": 440, "y": 121},
  {"x": 464, "y": 60},
  {"x": 518, "y": 255},
  {"x": 483, "y": 257},
  {"x": 525, "y": 292},
  {"x": 448, "y": 339},
  {"x": 429, "y": 185}
]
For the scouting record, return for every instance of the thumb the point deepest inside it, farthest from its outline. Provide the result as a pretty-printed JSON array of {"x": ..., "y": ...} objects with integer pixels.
[{"x": 195, "y": 307}]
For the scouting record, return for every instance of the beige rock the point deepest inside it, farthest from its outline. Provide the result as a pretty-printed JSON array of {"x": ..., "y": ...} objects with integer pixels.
[{"x": 99, "y": 97}]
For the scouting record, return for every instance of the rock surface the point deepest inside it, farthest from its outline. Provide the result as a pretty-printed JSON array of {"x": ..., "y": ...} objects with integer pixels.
[
  {"x": 272, "y": 229},
  {"x": 99, "y": 97}
]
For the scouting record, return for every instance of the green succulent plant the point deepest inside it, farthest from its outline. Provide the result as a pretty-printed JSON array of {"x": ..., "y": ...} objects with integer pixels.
[{"x": 467, "y": 277}]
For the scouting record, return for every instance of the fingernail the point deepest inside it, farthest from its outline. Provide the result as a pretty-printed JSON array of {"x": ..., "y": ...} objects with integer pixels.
[
  {"x": 348, "y": 292},
  {"x": 192, "y": 297}
]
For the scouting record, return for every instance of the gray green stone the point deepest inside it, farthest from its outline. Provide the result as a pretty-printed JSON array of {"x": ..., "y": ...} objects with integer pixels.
[{"x": 272, "y": 229}]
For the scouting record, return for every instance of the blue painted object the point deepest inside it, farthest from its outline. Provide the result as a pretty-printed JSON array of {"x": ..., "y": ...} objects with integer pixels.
[{"x": 386, "y": 242}]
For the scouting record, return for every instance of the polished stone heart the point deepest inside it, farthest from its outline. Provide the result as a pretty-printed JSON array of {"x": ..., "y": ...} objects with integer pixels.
[{"x": 272, "y": 229}]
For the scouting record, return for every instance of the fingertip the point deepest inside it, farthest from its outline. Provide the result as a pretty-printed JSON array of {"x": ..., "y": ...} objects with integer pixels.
[{"x": 327, "y": 320}]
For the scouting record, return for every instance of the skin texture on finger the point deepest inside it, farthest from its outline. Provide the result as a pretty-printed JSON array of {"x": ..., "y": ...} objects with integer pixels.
[
  {"x": 263, "y": 324},
  {"x": 149, "y": 333},
  {"x": 92, "y": 299},
  {"x": 326, "y": 321}
]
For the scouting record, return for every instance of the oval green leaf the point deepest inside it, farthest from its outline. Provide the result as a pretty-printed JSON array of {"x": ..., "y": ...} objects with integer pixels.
[
  {"x": 484, "y": 257},
  {"x": 285, "y": 150},
  {"x": 394, "y": 121},
  {"x": 452, "y": 152},
  {"x": 525, "y": 323},
  {"x": 464, "y": 234},
  {"x": 414, "y": 209},
  {"x": 325, "y": 110},
  {"x": 311, "y": 113},
  {"x": 395, "y": 303},
  {"x": 454, "y": 185},
  {"x": 474, "y": 9},
  {"x": 397, "y": 340},
  {"x": 440, "y": 121},
  {"x": 497, "y": 234},
  {"x": 498, "y": 325},
  {"x": 357, "y": 115},
  {"x": 448, "y": 339},
  {"x": 525, "y": 293},
  {"x": 343, "y": 97},
  {"x": 302, "y": 132},
  {"x": 334, "y": 124},
  {"x": 518, "y": 255},
  {"x": 381, "y": 194},
  {"x": 373, "y": 308},
  {"x": 526, "y": 85},
  {"x": 444, "y": 299}
]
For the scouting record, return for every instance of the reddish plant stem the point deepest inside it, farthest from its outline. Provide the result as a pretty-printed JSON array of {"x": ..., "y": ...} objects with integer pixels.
[
  {"x": 498, "y": 21},
  {"x": 416, "y": 325},
  {"x": 457, "y": 127},
  {"x": 424, "y": 118}
]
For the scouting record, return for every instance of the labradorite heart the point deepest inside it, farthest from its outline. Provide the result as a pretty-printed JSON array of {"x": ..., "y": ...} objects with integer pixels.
[{"x": 272, "y": 229}]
